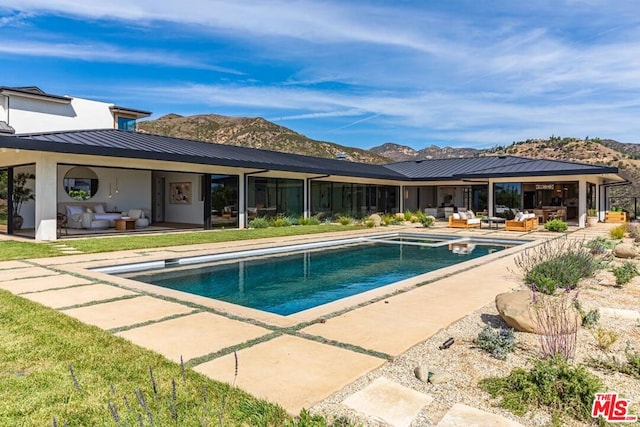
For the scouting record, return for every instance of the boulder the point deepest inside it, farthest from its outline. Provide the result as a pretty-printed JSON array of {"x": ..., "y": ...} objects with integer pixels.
[
  {"x": 376, "y": 219},
  {"x": 515, "y": 309},
  {"x": 625, "y": 250}
]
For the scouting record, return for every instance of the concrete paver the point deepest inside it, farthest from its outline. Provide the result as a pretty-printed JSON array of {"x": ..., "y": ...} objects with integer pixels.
[
  {"x": 21, "y": 273},
  {"x": 9, "y": 265},
  {"x": 127, "y": 312},
  {"x": 620, "y": 313},
  {"x": 36, "y": 284},
  {"x": 398, "y": 323},
  {"x": 291, "y": 371},
  {"x": 388, "y": 401},
  {"x": 465, "y": 416},
  {"x": 79, "y": 295},
  {"x": 194, "y": 335}
]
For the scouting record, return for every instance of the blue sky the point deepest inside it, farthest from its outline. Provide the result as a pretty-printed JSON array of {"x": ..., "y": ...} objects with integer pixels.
[{"x": 359, "y": 73}]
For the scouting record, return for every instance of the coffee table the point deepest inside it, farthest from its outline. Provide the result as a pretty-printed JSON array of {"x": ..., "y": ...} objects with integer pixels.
[
  {"x": 123, "y": 224},
  {"x": 492, "y": 222}
]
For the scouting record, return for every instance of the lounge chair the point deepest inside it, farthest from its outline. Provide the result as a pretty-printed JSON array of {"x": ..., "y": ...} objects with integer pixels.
[
  {"x": 464, "y": 220},
  {"x": 522, "y": 222}
]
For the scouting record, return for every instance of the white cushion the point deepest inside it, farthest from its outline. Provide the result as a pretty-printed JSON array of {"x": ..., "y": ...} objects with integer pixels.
[
  {"x": 74, "y": 210},
  {"x": 99, "y": 209},
  {"x": 462, "y": 215},
  {"x": 519, "y": 216},
  {"x": 135, "y": 213},
  {"x": 89, "y": 210},
  {"x": 456, "y": 215},
  {"x": 470, "y": 214},
  {"x": 473, "y": 221}
]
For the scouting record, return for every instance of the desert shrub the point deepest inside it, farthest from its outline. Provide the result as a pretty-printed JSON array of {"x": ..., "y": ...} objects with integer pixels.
[
  {"x": 370, "y": 223},
  {"x": 259, "y": 222},
  {"x": 427, "y": 221},
  {"x": 389, "y": 219},
  {"x": 551, "y": 383},
  {"x": 556, "y": 225},
  {"x": 618, "y": 232},
  {"x": 294, "y": 220},
  {"x": 634, "y": 232},
  {"x": 280, "y": 221},
  {"x": 498, "y": 342},
  {"x": 625, "y": 273},
  {"x": 556, "y": 263},
  {"x": 408, "y": 215},
  {"x": 600, "y": 245},
  {"x": 345, "y": 220},
  {"x": 605, "y": 339},
  {"x": 631, "y": 367},
  {"x": 589, "y": 318},
  {"x": 312, "y": 220},
  {"x": 556, "y": 319}
]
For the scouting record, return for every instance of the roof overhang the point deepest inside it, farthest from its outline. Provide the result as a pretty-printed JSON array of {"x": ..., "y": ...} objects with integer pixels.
[
  {"x": 32, "y": 95},
  {"x": 138, "y": 114}
]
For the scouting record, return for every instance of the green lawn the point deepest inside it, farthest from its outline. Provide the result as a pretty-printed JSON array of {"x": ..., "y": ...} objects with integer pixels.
[
  {"x": 38, "y": 345},
  {"x": 24, "y": 249}
]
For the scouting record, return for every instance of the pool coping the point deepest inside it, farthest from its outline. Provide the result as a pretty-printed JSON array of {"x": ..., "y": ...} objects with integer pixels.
[{"x": 319, "y": 313}]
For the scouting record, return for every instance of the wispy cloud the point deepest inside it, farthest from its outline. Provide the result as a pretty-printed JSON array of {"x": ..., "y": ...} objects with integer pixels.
[{"x": 102, "y": 52}]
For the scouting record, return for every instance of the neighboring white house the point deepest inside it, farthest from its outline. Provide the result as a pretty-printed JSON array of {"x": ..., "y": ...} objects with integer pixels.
[{"x": 31, "y": 110}]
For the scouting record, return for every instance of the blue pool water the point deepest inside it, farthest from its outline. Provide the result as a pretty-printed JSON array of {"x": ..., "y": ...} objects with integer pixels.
[{"x": 287, "y": 284}]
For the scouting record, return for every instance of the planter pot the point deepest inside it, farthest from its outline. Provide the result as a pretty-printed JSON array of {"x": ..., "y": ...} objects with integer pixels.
[
  {"x": 17, "y": 222},
  {"x": 591, "y": 221}
]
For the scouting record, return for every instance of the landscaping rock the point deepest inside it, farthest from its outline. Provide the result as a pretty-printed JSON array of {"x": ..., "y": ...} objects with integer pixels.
[
  {"x": 625, "y": 250},
  {"x": 438, "y": 376},
  {"x": 377, "y": 220},
  {"x": 515, "y": 310},
  {"x": 432, "y": 375}
]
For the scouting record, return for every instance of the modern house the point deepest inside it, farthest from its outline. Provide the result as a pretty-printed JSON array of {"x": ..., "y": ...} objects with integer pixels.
[
  {"x": 203, "y": 185},
  {"x": 198, "y": 183},
  {"x": 30, "y": 109}
]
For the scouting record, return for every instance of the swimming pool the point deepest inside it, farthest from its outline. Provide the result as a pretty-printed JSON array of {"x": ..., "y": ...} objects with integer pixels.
[{"x": 287, "y": 280}]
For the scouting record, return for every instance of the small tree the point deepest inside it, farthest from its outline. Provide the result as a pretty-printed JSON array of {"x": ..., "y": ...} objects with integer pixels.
[{"x": 21, "y": 193}]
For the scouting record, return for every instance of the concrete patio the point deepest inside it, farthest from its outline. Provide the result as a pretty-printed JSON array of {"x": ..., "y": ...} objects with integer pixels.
[{"x": 296, "y": 360}]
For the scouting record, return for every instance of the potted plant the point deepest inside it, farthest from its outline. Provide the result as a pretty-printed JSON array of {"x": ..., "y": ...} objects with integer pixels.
[
  {"x": 21, "y": 194},
  {"x": 592, "y": 217}
]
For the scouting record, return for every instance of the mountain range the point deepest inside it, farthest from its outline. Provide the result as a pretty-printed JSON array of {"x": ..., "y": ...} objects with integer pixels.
[{"x": 257, "y": 132}]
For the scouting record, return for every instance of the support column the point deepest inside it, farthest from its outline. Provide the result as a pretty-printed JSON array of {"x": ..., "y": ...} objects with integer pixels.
[
  {"x": 582, "y": 203},
  {"x": 490, "y": 197},
  {"x": 46, "y": 198},
  {"x": 306, "y": 199},
  {"x": 401, "y": 207},
  {"x": 242, "y": 201}
]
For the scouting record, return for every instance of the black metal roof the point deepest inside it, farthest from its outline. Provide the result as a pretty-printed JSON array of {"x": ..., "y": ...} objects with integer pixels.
[
  {"x": 33, "y": 91},
  {"x": 127, "y": 144},
  {"x": 136, "y": 145},
  {"x": 492, "y": 167}
]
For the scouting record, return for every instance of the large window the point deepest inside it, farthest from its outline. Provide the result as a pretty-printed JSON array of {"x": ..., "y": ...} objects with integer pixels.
[
  {"x": 356, "y": 200},
  {"x": 224, "y": 200},
  {"x": 273, "y": 196},
  {"x": 508, "y": 198},
  {"x": 591, "y": 196}
]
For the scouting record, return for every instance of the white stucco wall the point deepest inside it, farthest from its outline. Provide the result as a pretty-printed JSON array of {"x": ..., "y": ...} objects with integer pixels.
[
  {"x": 28, "y": 115},
  {"x": 184, "y": 213},
  {"x": 134, "y": 188}
]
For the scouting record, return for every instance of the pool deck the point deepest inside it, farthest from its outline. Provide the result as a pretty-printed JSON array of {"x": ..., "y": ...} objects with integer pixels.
[{"x": 295, "y": 361}]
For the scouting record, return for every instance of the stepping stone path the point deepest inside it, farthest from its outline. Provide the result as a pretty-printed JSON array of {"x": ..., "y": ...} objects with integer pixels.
[
  {"x": 66, "y": 249},
  {"x": 465, "y": 416}
]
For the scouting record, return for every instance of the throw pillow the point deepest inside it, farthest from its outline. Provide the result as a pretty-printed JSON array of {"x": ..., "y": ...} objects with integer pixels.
[
  {"x": 74, "y": 210},
  {"x": 462, "y": 215},
  {"x": 99, "y": 209},
  {"x": 135, "y": 213},
  {"x": 470, "y": 214},
  {"x": 456, "y": 215},
  {"x": 89, "y": 210}
]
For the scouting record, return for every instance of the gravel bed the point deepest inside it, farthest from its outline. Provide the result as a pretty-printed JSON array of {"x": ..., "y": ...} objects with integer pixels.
[{"x": 468, "y": 364}]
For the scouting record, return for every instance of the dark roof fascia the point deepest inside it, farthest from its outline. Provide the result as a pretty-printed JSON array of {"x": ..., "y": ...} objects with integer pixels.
[
  {"x": 597, "y": 170},
  {"x": 138, "y": 113},
  {"x": 4, "y": 90},
  {"x": 23, "y": 143}
]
